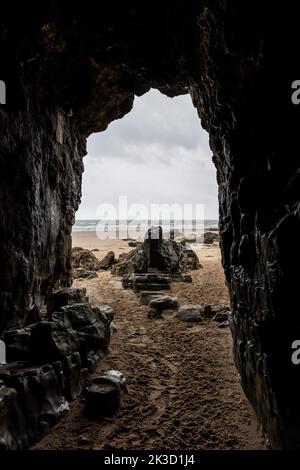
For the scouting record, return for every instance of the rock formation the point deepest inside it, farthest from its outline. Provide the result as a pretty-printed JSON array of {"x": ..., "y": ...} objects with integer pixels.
[
  {"x": 70, "y": 72},
  {"x": 47, "y": 364},
  {"x": 156, "y": 262}
]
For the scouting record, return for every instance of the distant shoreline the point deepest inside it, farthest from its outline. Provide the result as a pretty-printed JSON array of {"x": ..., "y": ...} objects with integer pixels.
[{"x": 140, "y": 227}]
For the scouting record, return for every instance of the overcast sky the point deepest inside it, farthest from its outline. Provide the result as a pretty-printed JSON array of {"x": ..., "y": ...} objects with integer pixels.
[{"x": 158, "y": 153}]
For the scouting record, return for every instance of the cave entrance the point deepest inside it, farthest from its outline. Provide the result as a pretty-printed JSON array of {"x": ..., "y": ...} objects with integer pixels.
[
  {"x": 159, "y": 153},
  {"x": 157, "y": 158}
]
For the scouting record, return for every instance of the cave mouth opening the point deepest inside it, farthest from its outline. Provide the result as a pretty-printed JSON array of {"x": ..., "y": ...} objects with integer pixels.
[
  {"x": 155, "y": 154},
  {"x": 153, "y": 167}
]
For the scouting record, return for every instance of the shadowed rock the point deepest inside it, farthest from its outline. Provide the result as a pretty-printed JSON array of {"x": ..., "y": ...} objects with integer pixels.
[
  {"x": 164, "y": 302},
  {"x": 190, "y": 313},
  {"x": 104, "y": 395},
  {"x": 107, "y": 261}
]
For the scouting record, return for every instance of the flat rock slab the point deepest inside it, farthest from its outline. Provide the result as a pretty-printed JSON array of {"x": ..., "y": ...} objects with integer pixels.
[
  {"x": 182, "y": 277},
  {"x": 190, "y": 313},
  {"x": 164, "y": 302},
  {"x": 146, "y": 296}
]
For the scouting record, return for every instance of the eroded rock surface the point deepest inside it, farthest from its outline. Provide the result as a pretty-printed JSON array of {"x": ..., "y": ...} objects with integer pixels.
[{"x": 47, "y": 364}]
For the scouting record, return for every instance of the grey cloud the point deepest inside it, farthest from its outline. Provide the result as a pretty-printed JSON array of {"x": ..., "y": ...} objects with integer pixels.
[
  {"x": 157, "y": 154},
  {"x": 155, "y": 119}
]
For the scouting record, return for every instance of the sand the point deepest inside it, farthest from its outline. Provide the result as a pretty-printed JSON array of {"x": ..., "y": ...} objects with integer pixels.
[{"x": 183, "y": 388}]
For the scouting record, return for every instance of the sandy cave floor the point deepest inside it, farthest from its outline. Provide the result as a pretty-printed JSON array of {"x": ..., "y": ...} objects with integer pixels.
[{"x": 183, "y": 389}]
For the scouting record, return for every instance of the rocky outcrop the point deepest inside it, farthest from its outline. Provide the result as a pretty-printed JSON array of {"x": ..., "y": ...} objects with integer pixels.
[
  {"x": 156, "y": 254},
  {"x": 85, "y": 263},
  {"x": 70, "y": 72},
  {"x": 47, "y": 364},
  {"x": 84, "y": 259}
]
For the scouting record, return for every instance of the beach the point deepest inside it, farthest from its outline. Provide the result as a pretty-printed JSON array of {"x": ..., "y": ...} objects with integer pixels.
[{"x": 183, "y": 388}]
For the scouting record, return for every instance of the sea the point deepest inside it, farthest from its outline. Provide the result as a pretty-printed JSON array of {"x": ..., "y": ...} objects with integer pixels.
[{"x": 141, "y": 226}]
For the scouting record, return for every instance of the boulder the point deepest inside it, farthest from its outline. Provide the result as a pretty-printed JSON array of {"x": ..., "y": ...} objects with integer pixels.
[
  {"x": 165, "y": 256},
  {"x": 209, "y": 237},
  {"x": 76, "y": 327},
  {"x": 107, "y": 261},
  {"x": 104, "y": 395},
  {"x": 66, "y": 296},
  {"x": 82, "y": 258},
  {"x": 190, "y": 313},
  {"x": 164, "y": 302},
  {"x": 39, "y": 391},
  {"x": 190, "y": 259},
  {"x": 58, "y": 353}
]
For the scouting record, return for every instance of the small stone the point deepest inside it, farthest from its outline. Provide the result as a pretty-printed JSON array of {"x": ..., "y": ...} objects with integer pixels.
[
  {"x": 89, "y": 274},
  {"x": 190, "y": 313},
  {"x": 132, "y": 244},
  {"x": 85, "y": 259},
  {"x": 164, "y": 302}
]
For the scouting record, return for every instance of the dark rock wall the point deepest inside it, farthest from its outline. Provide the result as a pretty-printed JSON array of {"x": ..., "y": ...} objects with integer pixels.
[
  {"x": 40, "y": 181},
  {"x": 70, "y": 72},
  {"x": 244, "y": 99}
]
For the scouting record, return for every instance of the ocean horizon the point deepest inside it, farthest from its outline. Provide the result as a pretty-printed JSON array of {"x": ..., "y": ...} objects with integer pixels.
[{"x": 83, "y": 225}]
